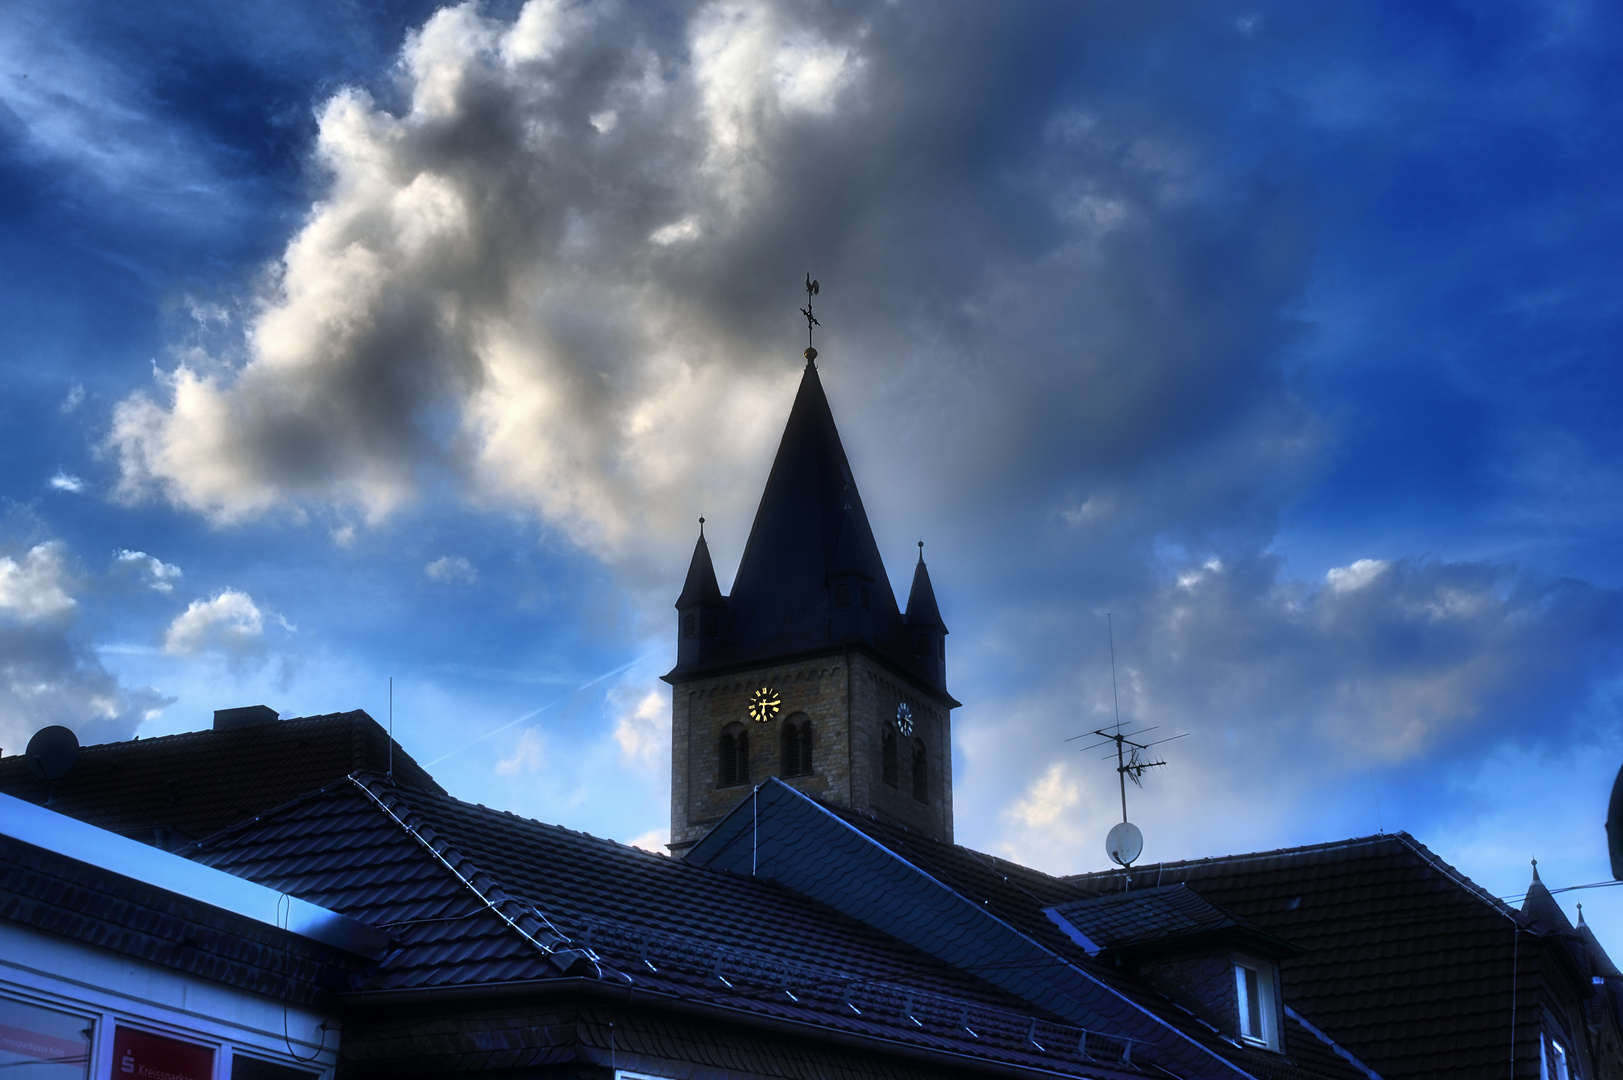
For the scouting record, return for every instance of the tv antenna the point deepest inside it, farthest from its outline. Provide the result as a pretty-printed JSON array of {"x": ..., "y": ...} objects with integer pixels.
[
  {"x": 1125, "y": 842},
  {"x": 811, "y": 320}
]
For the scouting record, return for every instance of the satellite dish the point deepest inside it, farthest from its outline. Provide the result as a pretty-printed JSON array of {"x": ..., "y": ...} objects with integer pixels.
[
  {"x": 52, "y": 752},
  {"x": 1124, "y": 844}
]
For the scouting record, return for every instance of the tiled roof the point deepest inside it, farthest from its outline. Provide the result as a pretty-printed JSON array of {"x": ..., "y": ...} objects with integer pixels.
[
  {"x": 178, "y": 787},
  {"x": 1407, "y": 964},
  {"x": 1161, "y": 916},
  {"x": 669, "y": 929},
  {"x": 975, "y": 912}
]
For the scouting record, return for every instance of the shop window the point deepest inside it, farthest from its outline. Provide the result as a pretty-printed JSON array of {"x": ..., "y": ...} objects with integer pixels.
[{"x": 44, "y": 1043}]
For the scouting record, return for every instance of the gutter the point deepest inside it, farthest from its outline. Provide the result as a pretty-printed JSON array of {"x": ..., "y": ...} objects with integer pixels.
[
  {"x": 80, "y": 842},
  {"x": 628, "y": 995}
]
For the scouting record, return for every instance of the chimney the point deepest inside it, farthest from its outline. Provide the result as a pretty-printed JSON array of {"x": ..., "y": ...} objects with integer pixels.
[{"x": 244, "y": 717}]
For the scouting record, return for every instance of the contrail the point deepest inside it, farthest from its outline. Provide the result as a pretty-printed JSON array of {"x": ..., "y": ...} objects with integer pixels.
[{"x": 497, "y": 731}]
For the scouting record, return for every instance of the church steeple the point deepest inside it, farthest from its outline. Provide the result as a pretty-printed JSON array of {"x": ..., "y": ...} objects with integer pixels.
[{"x": 808, "y": 670}]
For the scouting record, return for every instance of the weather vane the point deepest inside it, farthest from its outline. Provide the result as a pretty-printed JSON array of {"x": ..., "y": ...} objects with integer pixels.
[
  {"x": 811, "y": 320},
  {"x": 1125, "y": 842}
]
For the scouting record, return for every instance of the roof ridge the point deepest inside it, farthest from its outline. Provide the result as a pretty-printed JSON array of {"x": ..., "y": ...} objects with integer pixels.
[
  {"x": 546, "y": 938},
  {"x": 1249, "y": 856}
]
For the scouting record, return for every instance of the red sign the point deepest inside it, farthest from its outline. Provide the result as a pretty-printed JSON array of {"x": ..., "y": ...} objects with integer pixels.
[{"x": 139, "y": 1055}]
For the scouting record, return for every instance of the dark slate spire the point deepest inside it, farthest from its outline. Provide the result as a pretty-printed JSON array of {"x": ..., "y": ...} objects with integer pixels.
[
  {"x": 1541, "y": 909},
  {"x": 780, "y": 599},
  {"x": 921, "y": 606},
  {"x": 701, "y": 587}
]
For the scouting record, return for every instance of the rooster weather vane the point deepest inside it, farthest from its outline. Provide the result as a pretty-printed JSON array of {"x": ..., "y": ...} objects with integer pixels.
[{"x": 811, "y": 320}]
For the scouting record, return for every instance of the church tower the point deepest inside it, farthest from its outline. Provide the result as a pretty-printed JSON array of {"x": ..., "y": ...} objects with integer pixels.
[{"x": 808, "y": 671}]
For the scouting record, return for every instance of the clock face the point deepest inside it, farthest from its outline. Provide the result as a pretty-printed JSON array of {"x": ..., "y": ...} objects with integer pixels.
[
  {"x": 764, "y": 704},
  {"x": 904, "y": 720}
]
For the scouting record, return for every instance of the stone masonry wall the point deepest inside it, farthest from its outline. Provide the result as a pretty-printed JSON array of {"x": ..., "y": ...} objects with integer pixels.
[{"x": 702, "y": 708}]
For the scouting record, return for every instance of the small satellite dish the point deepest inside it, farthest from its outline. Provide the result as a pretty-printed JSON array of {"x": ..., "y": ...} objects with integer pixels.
[
  {"x": 1124, "y": 844},
  {"x": 52, "y": 752}
]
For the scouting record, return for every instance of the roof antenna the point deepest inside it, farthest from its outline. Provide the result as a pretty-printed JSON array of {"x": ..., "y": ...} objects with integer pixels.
[
  {"x": 391, "y": 729},
  {"x": 811, "y": 320},
  {"x": 1125, "y": 842}
]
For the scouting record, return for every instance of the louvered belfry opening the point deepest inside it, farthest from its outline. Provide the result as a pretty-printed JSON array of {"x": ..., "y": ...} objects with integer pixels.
[
  {"x": 733, "y": 757},
  {"x": 796, "y": 742},
  {"x": 888, "y": 769},
  {"x": 921, "y": 772}
]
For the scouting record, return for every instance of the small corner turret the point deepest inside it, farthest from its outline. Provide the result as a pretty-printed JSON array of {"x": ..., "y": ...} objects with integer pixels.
[
  {"x": 700, "y": 609},
  {"x": 927, "y": 632}
]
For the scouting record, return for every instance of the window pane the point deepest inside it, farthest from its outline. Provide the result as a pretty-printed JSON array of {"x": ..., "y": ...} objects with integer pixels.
[
  {"x": 43, "y": 1044},
  {"x": 1250, "y": 1002},
  {"x": 247, "y": 1068}
]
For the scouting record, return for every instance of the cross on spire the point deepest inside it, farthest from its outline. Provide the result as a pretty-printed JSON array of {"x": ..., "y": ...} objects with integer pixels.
[{"x": 811, "y": 320}]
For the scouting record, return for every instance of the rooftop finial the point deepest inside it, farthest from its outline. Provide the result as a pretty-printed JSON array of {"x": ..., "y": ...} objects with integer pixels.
[
  {"x": 921, "y": 551},
  {"x": 701, "y": 528},
  {"x": 811, "y": 320}
]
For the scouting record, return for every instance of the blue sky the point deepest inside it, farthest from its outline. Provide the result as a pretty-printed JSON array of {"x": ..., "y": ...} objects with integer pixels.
[{"x": 349, "y": 342}]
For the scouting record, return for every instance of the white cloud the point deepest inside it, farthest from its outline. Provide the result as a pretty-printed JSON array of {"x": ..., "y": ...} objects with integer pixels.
[
  {"x": 643, "y": 731},
  {"x": 653, "y": 840},
  {"x": 452, "y": 570},
  {"x": 75, "y": 398},
  {"x": 34, "y": 589},
  {"x": 229, "y": 623},
  {"x": 160, "y": 576},
  {"x": 47, "y": 676},
  {"x": 528, "y": 756},
  {"x": 1290, "y": 696},
  {"x": 1356, "y": 576},
  {"x": 65, "y": 481},
  {"x": 595, "y": 321}
]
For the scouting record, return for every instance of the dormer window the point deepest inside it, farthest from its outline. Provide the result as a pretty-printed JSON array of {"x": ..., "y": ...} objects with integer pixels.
[
  {"x": 1556, "y": 1064},
  {"x": 1254, "y": 993}
]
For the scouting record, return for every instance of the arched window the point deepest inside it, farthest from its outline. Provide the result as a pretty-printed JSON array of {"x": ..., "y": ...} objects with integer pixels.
[
  {"x": 921, "y": 772},
  {"x": 887, "y": 757},
  {"x": 796, "y": 743},
  {"x": 689, "y": 626},
  {"x": 733, "y": 757}
]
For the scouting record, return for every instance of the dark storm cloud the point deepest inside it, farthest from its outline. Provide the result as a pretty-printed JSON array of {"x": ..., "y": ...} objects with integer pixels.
[{"x": 577, "y": 244}]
